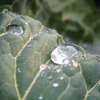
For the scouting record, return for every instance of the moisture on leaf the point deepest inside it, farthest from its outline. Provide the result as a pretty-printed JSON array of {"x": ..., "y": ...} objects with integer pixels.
[{"x": 36, "y": 63}]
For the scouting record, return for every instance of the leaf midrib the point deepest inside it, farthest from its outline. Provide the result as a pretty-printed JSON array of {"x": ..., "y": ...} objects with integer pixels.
[{"x": 15, "y": 79}]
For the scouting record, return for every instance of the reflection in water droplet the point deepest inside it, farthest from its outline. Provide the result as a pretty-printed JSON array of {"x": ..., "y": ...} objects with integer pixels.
[
  {"x": 69, "y": 64},
  {"x": 55, "y": 84},
  {"x": 65, "y": 61},
  {"x": 63, "y": 54},
  {"x": 5, "y": 11},
  {"x": 14, "y": 29},
  {"x": 40, "y": 97}
]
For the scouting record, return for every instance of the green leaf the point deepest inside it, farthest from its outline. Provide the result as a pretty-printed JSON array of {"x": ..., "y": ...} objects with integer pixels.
[
  {"x": 27, "y": 71},
  {"x": 21, "y": 55}
]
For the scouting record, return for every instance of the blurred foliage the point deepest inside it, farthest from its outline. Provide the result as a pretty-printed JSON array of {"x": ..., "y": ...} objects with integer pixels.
[{"x": 77, "y": 21}]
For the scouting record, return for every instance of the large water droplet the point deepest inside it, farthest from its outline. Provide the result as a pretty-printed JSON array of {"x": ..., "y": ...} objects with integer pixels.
[
  {"x": 55, "y": 84},
  {"x": 63, "y": 54},
  {"x": 5, "y": 11},
  {"x": 14, "y": 29}
]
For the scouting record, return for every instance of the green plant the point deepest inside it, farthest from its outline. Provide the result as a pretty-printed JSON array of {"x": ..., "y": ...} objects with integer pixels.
[
  {"x": 77, "y": 21},
  {"x": 30, "y": 67}
]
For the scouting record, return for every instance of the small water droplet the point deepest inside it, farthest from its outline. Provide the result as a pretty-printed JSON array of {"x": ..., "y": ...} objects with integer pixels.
[
  {"x": 61, "y": 78},
  {"x": 55, "y": 84},
  {"x": 43, "y": 66},
  {"x": 69, "y": 64},
  {"x": 29, "y": 45},
  {"x": 71, "y": 68},
  {"x": 50, "y": 77},
  {"x": 19, "y": 53},
  {"x": 18, "y": 70},
  {"x": 58, "y": 70},
  {"x": 14, "y": 29},
  {"x": 84, "y": 56},
  {"x": 40, "y": 97},
  {"x": 63, "y": 54},
  {"x": 48, "y": 29},
  {"x": 5, "y": 11},
  {"x": 30, "y": 38}
]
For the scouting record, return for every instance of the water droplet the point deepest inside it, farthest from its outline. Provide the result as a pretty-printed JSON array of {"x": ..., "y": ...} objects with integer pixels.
[
  {"x": 63, "y": 54},
  {"x": 43, "y": 66},
  {"x": 61, "y": 78},
  {"x": 69, "y": 64},
  {"x": 55, "y": 84},
  {"x": 84, "y": 56},
  {"x": 71, "y": 68},
  {"x": 40, "y": 97},
  {"x": 29, "y": 45},
  {"x": 14, "y": 29},
  {"x": 48, "y": 29},
  {"x": 5, "y": 11},
  {"x": 18, "y": 70},
  {"x": 58, "y": 70},
  {"x": 19, "y": 53},
  {"x": 49, "y": 77}
]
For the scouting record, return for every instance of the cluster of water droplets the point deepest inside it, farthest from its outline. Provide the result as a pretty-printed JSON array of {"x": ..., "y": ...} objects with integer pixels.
[
  {"x": 63, "y": 54},
  {"x": 50, "y": 72}
]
